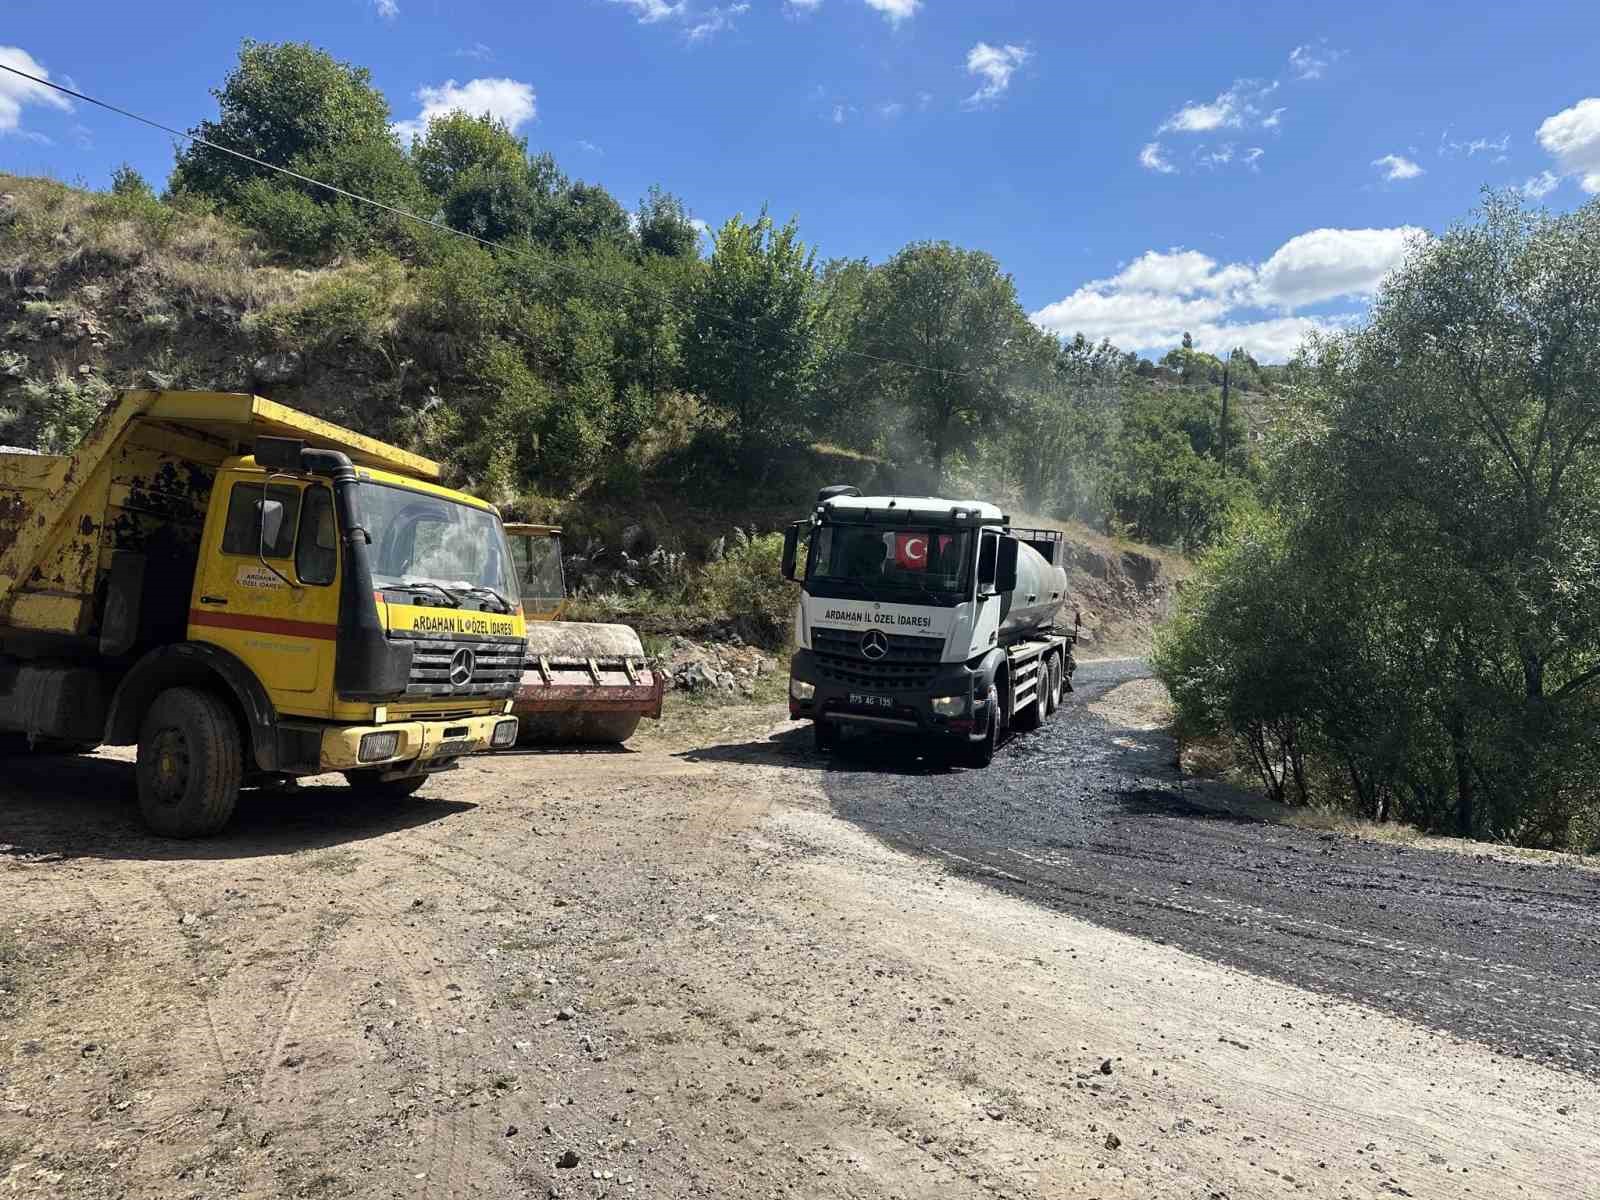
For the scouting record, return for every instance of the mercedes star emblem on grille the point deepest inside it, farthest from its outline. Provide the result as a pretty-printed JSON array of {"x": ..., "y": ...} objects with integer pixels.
[
  {"x": 874, "y": 645},
  {"x": 461, "y": 667}
]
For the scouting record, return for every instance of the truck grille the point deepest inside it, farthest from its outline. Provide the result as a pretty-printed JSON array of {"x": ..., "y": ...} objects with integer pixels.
[
  {"x": 908, "y": 664},
  {"x": 453, "y": 665}
]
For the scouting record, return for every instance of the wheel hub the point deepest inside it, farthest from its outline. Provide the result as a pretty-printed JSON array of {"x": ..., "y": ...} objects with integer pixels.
[{"x": 172, "y": 766}]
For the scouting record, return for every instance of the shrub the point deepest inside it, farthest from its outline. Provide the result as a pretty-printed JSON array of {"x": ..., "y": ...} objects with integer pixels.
[
  {"x": 746, "y": 587},
  {"x": 53, "y": 415}
]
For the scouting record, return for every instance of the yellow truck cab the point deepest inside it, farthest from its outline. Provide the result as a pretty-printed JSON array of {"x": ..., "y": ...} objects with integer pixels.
[{"x": 249, "y": 594}]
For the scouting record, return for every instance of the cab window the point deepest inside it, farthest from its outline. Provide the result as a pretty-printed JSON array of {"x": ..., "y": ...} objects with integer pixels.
[
  {"x": 261, "y": 521},
  {"x": 316, "y": 554}
]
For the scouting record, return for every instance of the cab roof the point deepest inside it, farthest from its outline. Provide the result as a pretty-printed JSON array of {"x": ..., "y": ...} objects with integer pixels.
[{"x": 923, "y": 506}]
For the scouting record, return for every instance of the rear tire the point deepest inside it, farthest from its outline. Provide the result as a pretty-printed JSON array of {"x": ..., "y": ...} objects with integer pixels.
[
  {"x": 369, "y": 786},
  {"x": 981, "y": 754},
  {"x": 191, "y": 759}
]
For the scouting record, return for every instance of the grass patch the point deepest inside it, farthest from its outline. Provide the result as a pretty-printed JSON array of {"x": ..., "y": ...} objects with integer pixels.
[{"x": 341, "y": 861}]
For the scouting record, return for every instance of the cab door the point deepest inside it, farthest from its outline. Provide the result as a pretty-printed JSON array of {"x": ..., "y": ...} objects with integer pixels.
[{"x": 267, "y": 589}]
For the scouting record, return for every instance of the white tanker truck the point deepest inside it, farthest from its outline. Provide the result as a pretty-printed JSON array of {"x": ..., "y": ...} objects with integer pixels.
[{"x": 927, "y": 616}]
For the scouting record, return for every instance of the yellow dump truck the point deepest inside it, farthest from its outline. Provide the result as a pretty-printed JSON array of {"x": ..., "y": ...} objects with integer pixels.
[{"x": 249, "y": 594}]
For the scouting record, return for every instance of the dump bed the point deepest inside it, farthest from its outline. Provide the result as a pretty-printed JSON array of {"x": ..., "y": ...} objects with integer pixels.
[{"x": 139, "y": 482}]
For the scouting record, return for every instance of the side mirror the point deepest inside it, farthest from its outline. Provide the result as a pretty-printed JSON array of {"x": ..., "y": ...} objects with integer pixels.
[
  {"x": 1005, "y": 572},
  {"x": 791, "y": 550}
]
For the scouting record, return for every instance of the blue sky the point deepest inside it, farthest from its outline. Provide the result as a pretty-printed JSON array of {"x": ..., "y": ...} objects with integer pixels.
[{"x": 1248, "y": 171}]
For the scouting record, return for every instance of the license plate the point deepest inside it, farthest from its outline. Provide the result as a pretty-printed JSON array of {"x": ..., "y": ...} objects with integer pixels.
[
  {"x": 450, "y": 749},
  {"x": 866, "y": 701}
]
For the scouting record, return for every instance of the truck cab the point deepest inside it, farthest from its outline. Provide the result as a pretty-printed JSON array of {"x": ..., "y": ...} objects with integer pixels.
[
  {"x": 924, "y": 615},
  {"x": 248, "y": 593}
]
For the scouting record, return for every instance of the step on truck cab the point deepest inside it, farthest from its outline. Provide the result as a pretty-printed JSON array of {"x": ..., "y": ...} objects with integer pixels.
[
  {"x": 250, "y": 594},
  {"x": 927, "y": 616}
]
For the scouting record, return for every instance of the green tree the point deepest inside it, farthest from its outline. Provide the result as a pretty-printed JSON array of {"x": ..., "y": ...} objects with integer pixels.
[
  {"x": 665, "y": 228},
  {"x": 749, "y": 342},
  {"x": 284, "y": 103},
  {"x": 942, "y": 330},
  {"x": 457, "y": 142}
]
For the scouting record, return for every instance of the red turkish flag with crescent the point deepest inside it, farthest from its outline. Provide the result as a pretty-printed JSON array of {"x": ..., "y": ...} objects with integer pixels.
[{"x": 911, "y": 550}]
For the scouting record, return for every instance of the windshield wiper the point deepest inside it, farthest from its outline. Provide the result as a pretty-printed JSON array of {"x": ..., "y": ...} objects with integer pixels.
[
  {"x": 479, "y": 590},
  {"x": 424, "y": 587}
]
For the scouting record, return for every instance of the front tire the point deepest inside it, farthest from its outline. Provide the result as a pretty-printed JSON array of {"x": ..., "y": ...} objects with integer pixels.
[
  {"x": 191, "y": 759},
  {"x": 368, "y": 784},
  {"x": 981, "y": 754},
  {"x": 824, "y": 736}
]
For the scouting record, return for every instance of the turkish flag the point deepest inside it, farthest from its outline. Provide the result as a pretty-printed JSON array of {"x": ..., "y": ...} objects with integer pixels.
[{"x": 911, "y": 551}]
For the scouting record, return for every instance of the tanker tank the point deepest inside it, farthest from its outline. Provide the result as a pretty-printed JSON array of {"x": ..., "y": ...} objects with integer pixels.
[{"x": 1040, "y": 595}]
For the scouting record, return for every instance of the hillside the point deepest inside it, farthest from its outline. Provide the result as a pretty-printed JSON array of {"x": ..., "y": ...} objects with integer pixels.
[{"x": 109, "y": 292}]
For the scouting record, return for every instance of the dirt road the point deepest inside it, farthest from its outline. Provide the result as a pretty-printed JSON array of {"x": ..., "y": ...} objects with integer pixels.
[{"x": 692, "y": 972}]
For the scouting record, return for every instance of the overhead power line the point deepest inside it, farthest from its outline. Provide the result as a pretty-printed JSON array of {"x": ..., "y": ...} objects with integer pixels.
[{"x": 500, "y": 247}]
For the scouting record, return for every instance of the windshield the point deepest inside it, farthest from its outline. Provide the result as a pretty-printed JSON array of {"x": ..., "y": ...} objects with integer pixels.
[
  {"x": 924, "y": 559},
  {"x": 422, "y": 543},
  {"x": 538, "y": 562}
]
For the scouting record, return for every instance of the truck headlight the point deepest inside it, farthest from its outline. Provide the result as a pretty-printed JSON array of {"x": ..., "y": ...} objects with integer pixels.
[
  {"x": 505, "y": 734},
  {"x": 801, "y": 690},
  {"x": 378, "y": 746},
  {"x": 949, "y": 706}
]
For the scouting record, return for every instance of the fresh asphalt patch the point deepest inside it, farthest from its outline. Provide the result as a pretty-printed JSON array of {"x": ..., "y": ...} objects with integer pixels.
[{"x": 1091, "y": 819}]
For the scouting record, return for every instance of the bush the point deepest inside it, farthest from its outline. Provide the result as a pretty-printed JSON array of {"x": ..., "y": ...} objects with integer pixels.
[
  {"x": 746, "y": 588},
  {"x": 53, "y": 415},
  {"x": 350, "y": 307},
  {"x": 290, "y": 219}
]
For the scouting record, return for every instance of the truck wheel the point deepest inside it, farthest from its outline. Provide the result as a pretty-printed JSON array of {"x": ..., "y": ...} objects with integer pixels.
[
  {"x": 371, "y": 787},
  {"x": 981, "y": 754},
  {"x": 823, "y": 736},
  {"x": 191, "y": 758},
  {"x": 1052, "y": 695}
]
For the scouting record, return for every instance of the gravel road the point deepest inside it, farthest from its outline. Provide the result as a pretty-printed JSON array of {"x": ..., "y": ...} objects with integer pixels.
[{"x": 1094, "y": 821}]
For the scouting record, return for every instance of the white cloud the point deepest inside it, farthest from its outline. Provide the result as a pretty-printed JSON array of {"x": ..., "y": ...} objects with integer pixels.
[
  {"x": 1153, "y": 158},
  {"x": 509, "y": 100},
  {"x": 1251, "y": 155},
  {"x": 1236, "y": 108},
  {"x": 478, "y": 51},
  {"x": 589, "y": 147},
  {"x": 839, "y": 114},
  {"x": 1572, "y": 137},
  {"x": 994, "y": 65},
  {"x": 713, "y": 21},
  {"x": 1327, "y": 264},
  {"x": 1397, "y": 166},
  {"x": 924, "y": 99},
  {"x": 651, "y": 11},
  {"x": 1541, "y": 185},
  {"x": 1311, "y": 62},
  {"x": 891, "y": 109},
  {"x": 1274, "y": 119},
  {"x": 802, "y": 6},
  {"x": 896, "y": 11},
  {"x": 387, "y": 9},
  {"x": 1155, "y": 299},
  {"x": 16, "y": 93}
]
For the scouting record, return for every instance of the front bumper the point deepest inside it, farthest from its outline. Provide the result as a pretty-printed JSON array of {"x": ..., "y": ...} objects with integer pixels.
[
  {"x": 889, "y": 709},
  {"x": 422, "y": 745}
]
